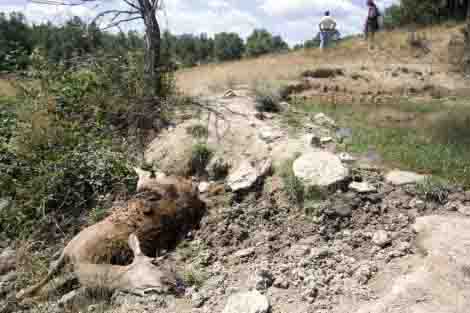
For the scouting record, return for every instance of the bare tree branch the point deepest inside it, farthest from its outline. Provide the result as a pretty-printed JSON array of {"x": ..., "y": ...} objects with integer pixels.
[
  {"x": 132, "y": 5},
  {"x": 121, "y": 21},
  {"x": 116, "y": 13}
]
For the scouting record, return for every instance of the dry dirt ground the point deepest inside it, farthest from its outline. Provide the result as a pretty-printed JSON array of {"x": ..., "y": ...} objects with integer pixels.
[{"x": 393, "y": 249}]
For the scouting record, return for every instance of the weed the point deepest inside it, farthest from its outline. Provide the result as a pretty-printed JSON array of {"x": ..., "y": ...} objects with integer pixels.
[
  {"x": 31, "y": 267},
  {"x": 198, "y": 131},
  {"x": 267, "y": 97},
  {"x": 200, "y": 157},
  {"x": 433, "y": 189},
  {"x": 293, "y": 187},
  {"x": 194, "y": 276},
  {"x": 97, "y": 214},
  {"x": 441, "y": 148}
]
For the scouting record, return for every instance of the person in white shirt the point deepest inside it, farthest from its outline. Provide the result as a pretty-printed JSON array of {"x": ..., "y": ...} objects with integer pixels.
[{"x": 327, "y": 26}]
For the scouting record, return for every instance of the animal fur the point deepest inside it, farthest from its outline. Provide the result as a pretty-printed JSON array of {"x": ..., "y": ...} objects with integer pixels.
[{"x": 159, "y": 215}]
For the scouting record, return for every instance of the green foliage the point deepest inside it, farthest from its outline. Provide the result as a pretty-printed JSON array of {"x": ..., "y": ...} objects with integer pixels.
[
  {"x": 424, "y": 12},
  {"x": 200, "y": 157},
  {"x": 62, "y": 146},
  {"x": 228, "y": 46},
  {"x": 433, "y": 189},
  {"x": 293, "y": 187},
  {"x": 267, "y": 96},
  {"x": 262, "y": 42},
  {"x": 195, "y": 277},
  {"x": 64, "y": 43}
]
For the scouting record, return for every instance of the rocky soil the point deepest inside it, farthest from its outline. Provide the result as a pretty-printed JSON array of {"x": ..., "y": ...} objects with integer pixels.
[{"x": 371, "y": 241}]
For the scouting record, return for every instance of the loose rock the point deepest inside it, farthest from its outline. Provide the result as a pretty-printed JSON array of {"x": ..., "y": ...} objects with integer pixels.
[
  {"x": 7, "y": 260},
  {"x": 400, "y": 178},
  {"x": 324, "y": 120},
  {"x": 320, "y": 169},
  {"x": 244, "y": 253},
  {"x": 346, "y": 158},
  {"x": 247, "y": 302},
  {"x": 363, "y": 187},
  {"x": 204, "y": 187},
  {"x": 198, "y": 299},
  {"x": 381, "y": 238},
  {"x": 464, "y": 209},
  {"x": 417, "y": 204},
  {"x": 247, "y": 175},
  {"x": 269, "y": 136}
]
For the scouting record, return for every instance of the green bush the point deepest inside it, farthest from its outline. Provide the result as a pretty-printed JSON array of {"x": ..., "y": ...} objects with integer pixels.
[
  {"x": 293, "y": 187},
  {"x": 267, "y": 97},
  {"x": 61, "y": 140},
  {"x": 200, "y": 157}
]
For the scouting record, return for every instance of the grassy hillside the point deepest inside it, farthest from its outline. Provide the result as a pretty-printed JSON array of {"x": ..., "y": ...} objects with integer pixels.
[
  {"x": 403, "y": 100},
  {"x": 393, "y": 47}
]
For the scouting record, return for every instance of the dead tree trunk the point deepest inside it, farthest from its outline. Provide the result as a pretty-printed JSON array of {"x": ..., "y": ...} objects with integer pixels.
[{"x": 152, "y": 50}]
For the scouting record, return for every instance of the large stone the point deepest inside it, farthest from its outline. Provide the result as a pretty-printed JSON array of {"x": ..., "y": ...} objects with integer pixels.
[
  {"x": 363, "y": 187},
  {"x": 247, "y": 302},
  {"x": 320, "y": 169},
  {"x": 248, "y": 174},
  {"x": 400, "y": 178},
  {"x": 7, "y": 261},
  {"x": 381, "y": 238}
]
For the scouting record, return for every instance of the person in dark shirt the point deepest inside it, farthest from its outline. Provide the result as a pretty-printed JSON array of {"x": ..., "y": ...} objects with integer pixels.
[{"x": 372, "y": 23}]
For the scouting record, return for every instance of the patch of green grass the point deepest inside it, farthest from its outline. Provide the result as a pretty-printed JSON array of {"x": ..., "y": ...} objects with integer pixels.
[
  {"x": 409, "y": 149},
  {"x": 410, "y": 106},
  {"x": 440, "y": 147},
  {"x": 293, "y": 187},
  {"x": 97, "y": 214},
  {"x": 433, "y": 189}
]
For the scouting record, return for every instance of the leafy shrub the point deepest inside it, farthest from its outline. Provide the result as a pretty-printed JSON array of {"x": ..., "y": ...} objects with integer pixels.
[
  {"x": 61, "y": 146},
  {"x": 198, "y": 131},
  {"x": 267, "y": 97},
  {"x": 433, "y": 189},
  {"x": 194, "y": 276},
  {"x": 293, "y": 187},
  {"x": 200, "y": 157}
]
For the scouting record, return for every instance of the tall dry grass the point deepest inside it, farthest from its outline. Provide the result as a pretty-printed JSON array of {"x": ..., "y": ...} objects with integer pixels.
[{"x": 392, "y": 48}]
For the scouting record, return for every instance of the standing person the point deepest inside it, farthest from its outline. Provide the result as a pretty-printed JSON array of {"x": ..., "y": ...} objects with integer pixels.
[
  {"x": 372, "y": 23},
  {"x": 327, "y": 25}
]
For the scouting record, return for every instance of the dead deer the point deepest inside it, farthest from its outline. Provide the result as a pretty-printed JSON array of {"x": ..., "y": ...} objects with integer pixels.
[{"x": 165, "y": 209}]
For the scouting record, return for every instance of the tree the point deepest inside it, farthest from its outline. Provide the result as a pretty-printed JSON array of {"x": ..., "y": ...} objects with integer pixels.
[
  {"x": 262, "y": 42},
  {"x": 144, "y": 10},
  {"x": 259, "y": 42},
  {"x": 228, "y": 46}
]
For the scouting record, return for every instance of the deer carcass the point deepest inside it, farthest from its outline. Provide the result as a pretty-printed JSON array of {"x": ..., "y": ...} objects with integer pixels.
[{"x": 163, "y": 211}]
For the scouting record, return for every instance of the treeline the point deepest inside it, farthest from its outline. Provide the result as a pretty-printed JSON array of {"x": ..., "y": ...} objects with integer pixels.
[
  {"x": 190, "y": 50},
  {"x": 425, "y": 12},
  {"x": 61, "y": 43},
  {"x": 75, "y": 38}
]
